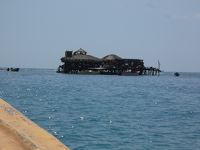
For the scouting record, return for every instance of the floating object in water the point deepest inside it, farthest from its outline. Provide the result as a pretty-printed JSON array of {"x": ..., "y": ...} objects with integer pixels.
[
  {"x": 13, "y": 69},
  {"x": 176, "y": 74}
]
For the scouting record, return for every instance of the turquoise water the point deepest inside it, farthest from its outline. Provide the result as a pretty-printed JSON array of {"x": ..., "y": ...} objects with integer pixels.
[{"x": 92, "y": 112}]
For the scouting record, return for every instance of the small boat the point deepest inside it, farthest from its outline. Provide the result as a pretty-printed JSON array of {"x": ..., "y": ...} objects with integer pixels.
[
  {"x": 129, "y": 74},
  {"x": 176, "y": 74},
  {"x": 14, "y": 69},
  {"x": 108, "y": 73}
]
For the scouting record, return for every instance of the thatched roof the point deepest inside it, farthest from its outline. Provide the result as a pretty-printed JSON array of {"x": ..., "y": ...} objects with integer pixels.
[
  {"x": 111, "y": 57},
  {"x": 84, "y": 57}
]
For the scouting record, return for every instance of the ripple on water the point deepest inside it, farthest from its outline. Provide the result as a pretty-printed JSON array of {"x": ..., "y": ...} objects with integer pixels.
[{"x": 109, "y": 112}]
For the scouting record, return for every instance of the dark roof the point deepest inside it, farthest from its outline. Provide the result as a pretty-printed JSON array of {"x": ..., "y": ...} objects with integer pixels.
[
  {"x": 80, "y": 55},
  {"x": 84, "y": 57},
  {"x": 111, "y": 57},
  {"x": 80, "y": 51}
]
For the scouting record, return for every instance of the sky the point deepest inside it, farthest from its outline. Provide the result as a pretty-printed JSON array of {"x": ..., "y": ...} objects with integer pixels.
[{"x": 36, "y": 33}]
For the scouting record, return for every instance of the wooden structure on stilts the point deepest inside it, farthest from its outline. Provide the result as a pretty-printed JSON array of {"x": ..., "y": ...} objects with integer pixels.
[{"x": 81, "y": 63}]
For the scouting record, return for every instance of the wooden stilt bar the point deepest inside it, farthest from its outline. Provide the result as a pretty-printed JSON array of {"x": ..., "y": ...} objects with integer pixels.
[{"x": 81, "y": 63}]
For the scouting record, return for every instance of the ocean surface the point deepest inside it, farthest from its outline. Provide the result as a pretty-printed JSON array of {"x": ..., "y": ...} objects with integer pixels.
[{"x": 97, "y": 112}]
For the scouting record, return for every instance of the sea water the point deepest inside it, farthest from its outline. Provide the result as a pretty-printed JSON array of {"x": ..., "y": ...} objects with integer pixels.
[{"x": 97, "y": 112}]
